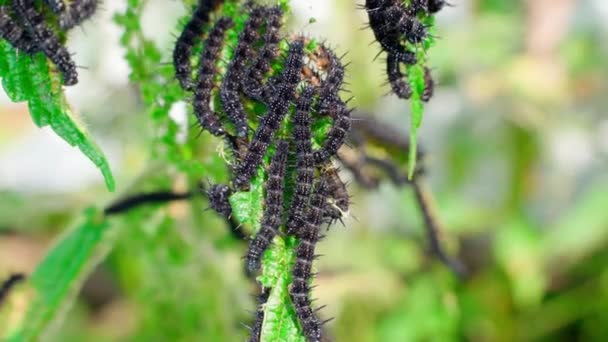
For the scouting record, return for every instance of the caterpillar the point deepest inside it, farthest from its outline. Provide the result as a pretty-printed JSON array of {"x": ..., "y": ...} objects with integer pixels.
[
  {"x": 396, "y": 22},
  {"x": 277, "y": 109},
  {"x": 46, "y": 40},
  {"x": 252, "y": 81},
  {"x": 206, "y": 117},
  {"x": 218, "y": 195},
  {"x": 429, "y": 85},
  {"x": 56, "y": 6},
  {"x": 256, "y": 330},
  {"x": 417, "y": 6},
  {"x": 229, "y": 90},
  {"x": 8, "y": 284},
  {"x": 187, "y": 39},
  {"x": 337, "y": 134},
  {"x": 305, "y": 254},
  {"x": 412, "y": 29},
  {"x": 333, "y": 81},
  {"x": 76, "y": 13},
  {"x": 396, "y": 78},
  {"x": 304, "y": 176},
  {"x": 14, "y": 34},
  {"x": 339, "y": 199},
  {"x": 273, "y": 208}
]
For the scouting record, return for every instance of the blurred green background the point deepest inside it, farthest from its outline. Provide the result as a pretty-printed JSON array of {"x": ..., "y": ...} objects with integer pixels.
[{"x": 517, "y": 138}]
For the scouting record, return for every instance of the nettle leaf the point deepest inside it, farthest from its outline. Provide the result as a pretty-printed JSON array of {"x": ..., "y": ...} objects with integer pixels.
[
  {"x": 280, "y": 321},
  {"x": 248, "y": 206},
  {"x": 35, "y": 80},
  {"x": 58, "y": 278},
  {"x": 415, "y": 77}
]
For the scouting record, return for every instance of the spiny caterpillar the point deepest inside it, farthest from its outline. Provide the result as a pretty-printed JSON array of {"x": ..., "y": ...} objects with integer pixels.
[
  {"x": 305, "y": 255},
  {"x": 206, "y": 117},
  {"x": 337, "y": 134},
  {"x": 46, "y": 39},
  {"x": 273, "y": 208},
  {"x": 338, "y": 201},
  {"x": 229, "y": 91},
  {"x": 187, "y": 39},
  {"x": 332, "y": 84},
  {"x": 252, "y": 82},
  {"x": 218, "y": 195},
  {"x": 15, "y": 34},
  {"x": 277, "y": 109},
  {"x": 304, "y": 160},
  {"x": 76, "y": 13},
  {"x": 28, "y": 29},
  {"x": 256, "y": 329},
  {"x": 398, "y": 28},
  {"x": 56, "y": 6}
]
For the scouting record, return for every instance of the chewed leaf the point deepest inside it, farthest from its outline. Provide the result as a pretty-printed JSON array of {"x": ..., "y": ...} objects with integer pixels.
[
  {"x": 56, "y": 280},
  {"x": 29, "y": 78},
  {"x": 280, "y": 321}
]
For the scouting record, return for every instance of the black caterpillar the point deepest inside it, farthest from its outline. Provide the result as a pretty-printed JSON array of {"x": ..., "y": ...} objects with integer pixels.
[
  {"x": 252, "y": 81},
  {"x": 270, "y": 123},
  {"x": 273, "y": 208},
  {"x": 394, "y": 23},
  {"x": 206, "y": 117},
  {"x": 397, "y": 80},
  {"x": 56, "y": 6},
  {"x": 77, "y": 12},
  {"x": 30, "y": 32},
  {"x": 229, "y": 91},
  {"x": 46, "y": 40},
  {"x": 331, "y": 86},
  {"x": 305, "y": 255},
  {"x": 338, "y": 201},
  {"x": 15, "y": 34},
  {"x": 256, "y": 329},
  {"x": 187, "y": 39},
  {"x": 337, "y": 134},
  {"x": 429, "y": 85},
  {"x": 304, "y": 161},
  {"x": 218, "y": 195}
]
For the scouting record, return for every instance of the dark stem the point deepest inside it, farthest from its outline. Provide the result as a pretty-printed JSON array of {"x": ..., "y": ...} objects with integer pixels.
[
  {"x": 433, "y": 229},
  {"x": 9, "y": 283}
]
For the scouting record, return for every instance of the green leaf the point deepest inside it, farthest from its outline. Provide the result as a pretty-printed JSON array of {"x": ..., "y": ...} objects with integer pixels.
[
  {"x": 32, "y": 79},
  {"x": 415, "y": 77},
  {"x": 59, "y": 276},
  {"x": 280, "y": 320},
  {"x": 247, "y": 205}
]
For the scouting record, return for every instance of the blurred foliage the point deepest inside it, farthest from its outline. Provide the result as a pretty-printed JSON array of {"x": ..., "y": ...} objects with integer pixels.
[{"x": 531, "y": 228}]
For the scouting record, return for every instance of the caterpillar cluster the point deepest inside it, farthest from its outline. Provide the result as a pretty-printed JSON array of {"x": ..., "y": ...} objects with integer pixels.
[
  {"x": 309, "y": 81},
  {"x": 398, "y": 28},
  {"x": 28, "y": 30}
]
